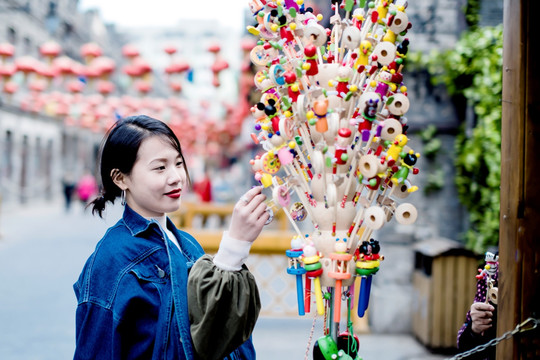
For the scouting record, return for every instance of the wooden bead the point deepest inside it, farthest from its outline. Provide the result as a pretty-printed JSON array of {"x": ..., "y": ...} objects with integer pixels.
[
  {"x": 374, "y": 217},
  {"x": 406, "y": 214}
]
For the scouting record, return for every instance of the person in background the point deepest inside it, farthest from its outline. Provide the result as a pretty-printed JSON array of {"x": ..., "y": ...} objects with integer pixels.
[
  {"x": 481, "y": 321},
  {"x": 68, "y": 187},
  {"x": 86, "y": 187},
  {"x": 148, "y": 291},
  {"x": 203, "y": 187}
]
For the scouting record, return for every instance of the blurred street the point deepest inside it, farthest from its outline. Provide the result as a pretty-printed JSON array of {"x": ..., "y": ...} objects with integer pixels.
[{"x": 42, "y": 251}]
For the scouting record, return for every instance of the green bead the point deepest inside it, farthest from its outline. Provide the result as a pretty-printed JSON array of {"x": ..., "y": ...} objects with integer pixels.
[
  {"x": 312, "y": 121},
  {"x": 312, "y": 267}
]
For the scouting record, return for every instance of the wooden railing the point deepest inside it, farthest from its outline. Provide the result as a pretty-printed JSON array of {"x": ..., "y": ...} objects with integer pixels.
[{"x": 274, "y": 239}]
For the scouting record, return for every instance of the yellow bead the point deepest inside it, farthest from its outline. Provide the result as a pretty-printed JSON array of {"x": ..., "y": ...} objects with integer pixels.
[
  {"x": 373, "y": 83},
  {"x": 319, "y": 17},
  {"x": 292, "y": 144},
  {"x": 393, "y": 87},
  {"x": 305, "y": 66},
  {"x": 292, "y": 26},
  {"x": 331, "y": 83},
  {"x": 403, "y": 89},
  {"x": 353, "y": 88},
  {"x": 288, "y": 113},
  {"x": 265, "y": 127},
  {"x": 299, "y": 2},
  {"x": 294, "y": 87},
  {"x": 274, "y": 27},
  {"x": 310, "y": 115}
]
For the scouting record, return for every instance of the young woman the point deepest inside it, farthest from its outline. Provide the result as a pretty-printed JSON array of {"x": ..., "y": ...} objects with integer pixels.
[{"x": 148, "y": 291}]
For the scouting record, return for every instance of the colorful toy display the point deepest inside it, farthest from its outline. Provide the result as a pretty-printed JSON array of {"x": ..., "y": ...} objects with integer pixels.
[{"x": 331, "y": 122}]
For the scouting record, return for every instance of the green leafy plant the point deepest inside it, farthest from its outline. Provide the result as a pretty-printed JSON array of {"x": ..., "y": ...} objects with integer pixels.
[{"x": 473, "y": 71}]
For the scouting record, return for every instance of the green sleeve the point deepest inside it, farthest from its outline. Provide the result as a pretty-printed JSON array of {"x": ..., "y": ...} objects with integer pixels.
[{"x": 223, "y": 308}]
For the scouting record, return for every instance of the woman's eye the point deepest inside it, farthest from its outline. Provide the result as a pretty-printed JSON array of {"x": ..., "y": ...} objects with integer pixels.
[
  {"x": 160, "y": 168},
  {"x": 179, "y": 163}
]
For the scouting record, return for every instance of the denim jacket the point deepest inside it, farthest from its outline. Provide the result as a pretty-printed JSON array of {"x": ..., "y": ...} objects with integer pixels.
[{"x": 132, "y": 295}]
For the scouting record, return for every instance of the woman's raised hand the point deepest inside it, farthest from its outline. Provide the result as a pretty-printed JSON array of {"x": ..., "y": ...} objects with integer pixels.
[
  {"x": 481, "y": 316},
  {"x": 249, "y": 215}
]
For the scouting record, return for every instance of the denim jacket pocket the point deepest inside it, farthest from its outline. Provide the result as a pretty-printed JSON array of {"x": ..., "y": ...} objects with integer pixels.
[{"x": 154, "y": 275}]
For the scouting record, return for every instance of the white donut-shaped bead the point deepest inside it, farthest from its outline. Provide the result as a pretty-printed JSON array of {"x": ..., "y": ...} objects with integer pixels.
[{"x": 406, "y": 214}]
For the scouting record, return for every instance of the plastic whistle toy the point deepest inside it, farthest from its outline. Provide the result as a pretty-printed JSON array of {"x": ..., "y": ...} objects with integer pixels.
[
  {"x": 340, "y": 271},
  {"x": 295, "y": 268},
  {"x": 367, "y": 265},
  {"x": 313, "y": 268}
]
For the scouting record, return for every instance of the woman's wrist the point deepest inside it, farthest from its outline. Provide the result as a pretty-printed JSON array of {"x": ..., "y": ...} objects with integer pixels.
[{"x": 232, "y": 253}]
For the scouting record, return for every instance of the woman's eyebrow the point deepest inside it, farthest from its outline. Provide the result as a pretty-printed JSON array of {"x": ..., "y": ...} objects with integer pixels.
[{"x": 164, "y": 160}]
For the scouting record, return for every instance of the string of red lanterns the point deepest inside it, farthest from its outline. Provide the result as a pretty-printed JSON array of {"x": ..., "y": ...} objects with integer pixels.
[{"x": 83, "y": 94}]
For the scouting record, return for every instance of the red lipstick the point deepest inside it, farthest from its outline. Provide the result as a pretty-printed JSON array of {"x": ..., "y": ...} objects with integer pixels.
[{"x": 175, "y": 194}]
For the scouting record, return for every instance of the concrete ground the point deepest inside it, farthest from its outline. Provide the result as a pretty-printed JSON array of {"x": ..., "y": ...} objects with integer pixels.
[{"x": 42, "y": 251}]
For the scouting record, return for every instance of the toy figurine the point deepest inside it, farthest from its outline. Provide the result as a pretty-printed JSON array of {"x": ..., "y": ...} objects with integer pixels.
[
  {"x": 340, "y": 271},
  {"x": 342, "y": 144},
  {"x": 297, "y": 270},
  {"x": 401, "y": 174},
  {"x": 313, "y": 267},
  {"x": 320, "y": 110},
  {"x": 310, "y": 53},
  {"x": 394, "y": 151},
  {"x": 367, "y": 265}
]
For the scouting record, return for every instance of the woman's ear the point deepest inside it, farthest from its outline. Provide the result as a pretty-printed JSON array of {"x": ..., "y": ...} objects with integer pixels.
[{"x": 119, "y": 179}]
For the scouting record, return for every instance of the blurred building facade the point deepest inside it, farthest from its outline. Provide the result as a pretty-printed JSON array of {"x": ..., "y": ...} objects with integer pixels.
[{"x": 37, "y": 150}]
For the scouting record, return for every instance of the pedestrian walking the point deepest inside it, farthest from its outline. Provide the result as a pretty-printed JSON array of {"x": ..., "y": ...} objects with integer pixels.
[
  {"x": 148, "y": 291},
  {"x": 86, "y": 187},
  {"x": 68, "y": 187}
]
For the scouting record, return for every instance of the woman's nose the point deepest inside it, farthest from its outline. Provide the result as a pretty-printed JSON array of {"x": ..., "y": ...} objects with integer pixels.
[{"x": 176, "y": 175}]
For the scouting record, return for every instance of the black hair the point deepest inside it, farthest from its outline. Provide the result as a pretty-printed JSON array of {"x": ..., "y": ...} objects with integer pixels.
[{"x": 119, "y": 150}]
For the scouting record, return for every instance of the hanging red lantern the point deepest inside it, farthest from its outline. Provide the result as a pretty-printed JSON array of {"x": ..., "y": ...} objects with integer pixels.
[
  {"x": 214, "y": 48},
  {"x": 64, "y": 65},
  {"x": 143, "y": 87},
  {"x": 50, "y": 50},
  {"x": 176, "y": 86},
  {"x": 37, "y": 85},
  {"x": 75, "y": 86},
  {"x": 130, "y": 51},
  {"x": 171, "y": 50},
  {"x": 26, "y": 65},
  {"x": 7, "y": 71},
  {"x": 6, "y": 51},
  {"x": 218, "y": 66},
  {"x": 104, "y": 65},
  {"x": 90, "y": 51},
  {"x": 105, "y": 87},
  {"x": 10, "y": 87}
]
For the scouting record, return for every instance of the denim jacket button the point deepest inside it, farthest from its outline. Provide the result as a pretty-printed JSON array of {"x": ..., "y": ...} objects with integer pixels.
[{"x": 161, "y": 273}]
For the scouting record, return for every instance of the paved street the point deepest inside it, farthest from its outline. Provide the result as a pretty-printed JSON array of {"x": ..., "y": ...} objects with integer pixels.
[{"x": 43, "y": 249}]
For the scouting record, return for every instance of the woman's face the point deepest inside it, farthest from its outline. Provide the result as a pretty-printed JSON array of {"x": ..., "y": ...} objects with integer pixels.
[{"x": 157, "y": 179}]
